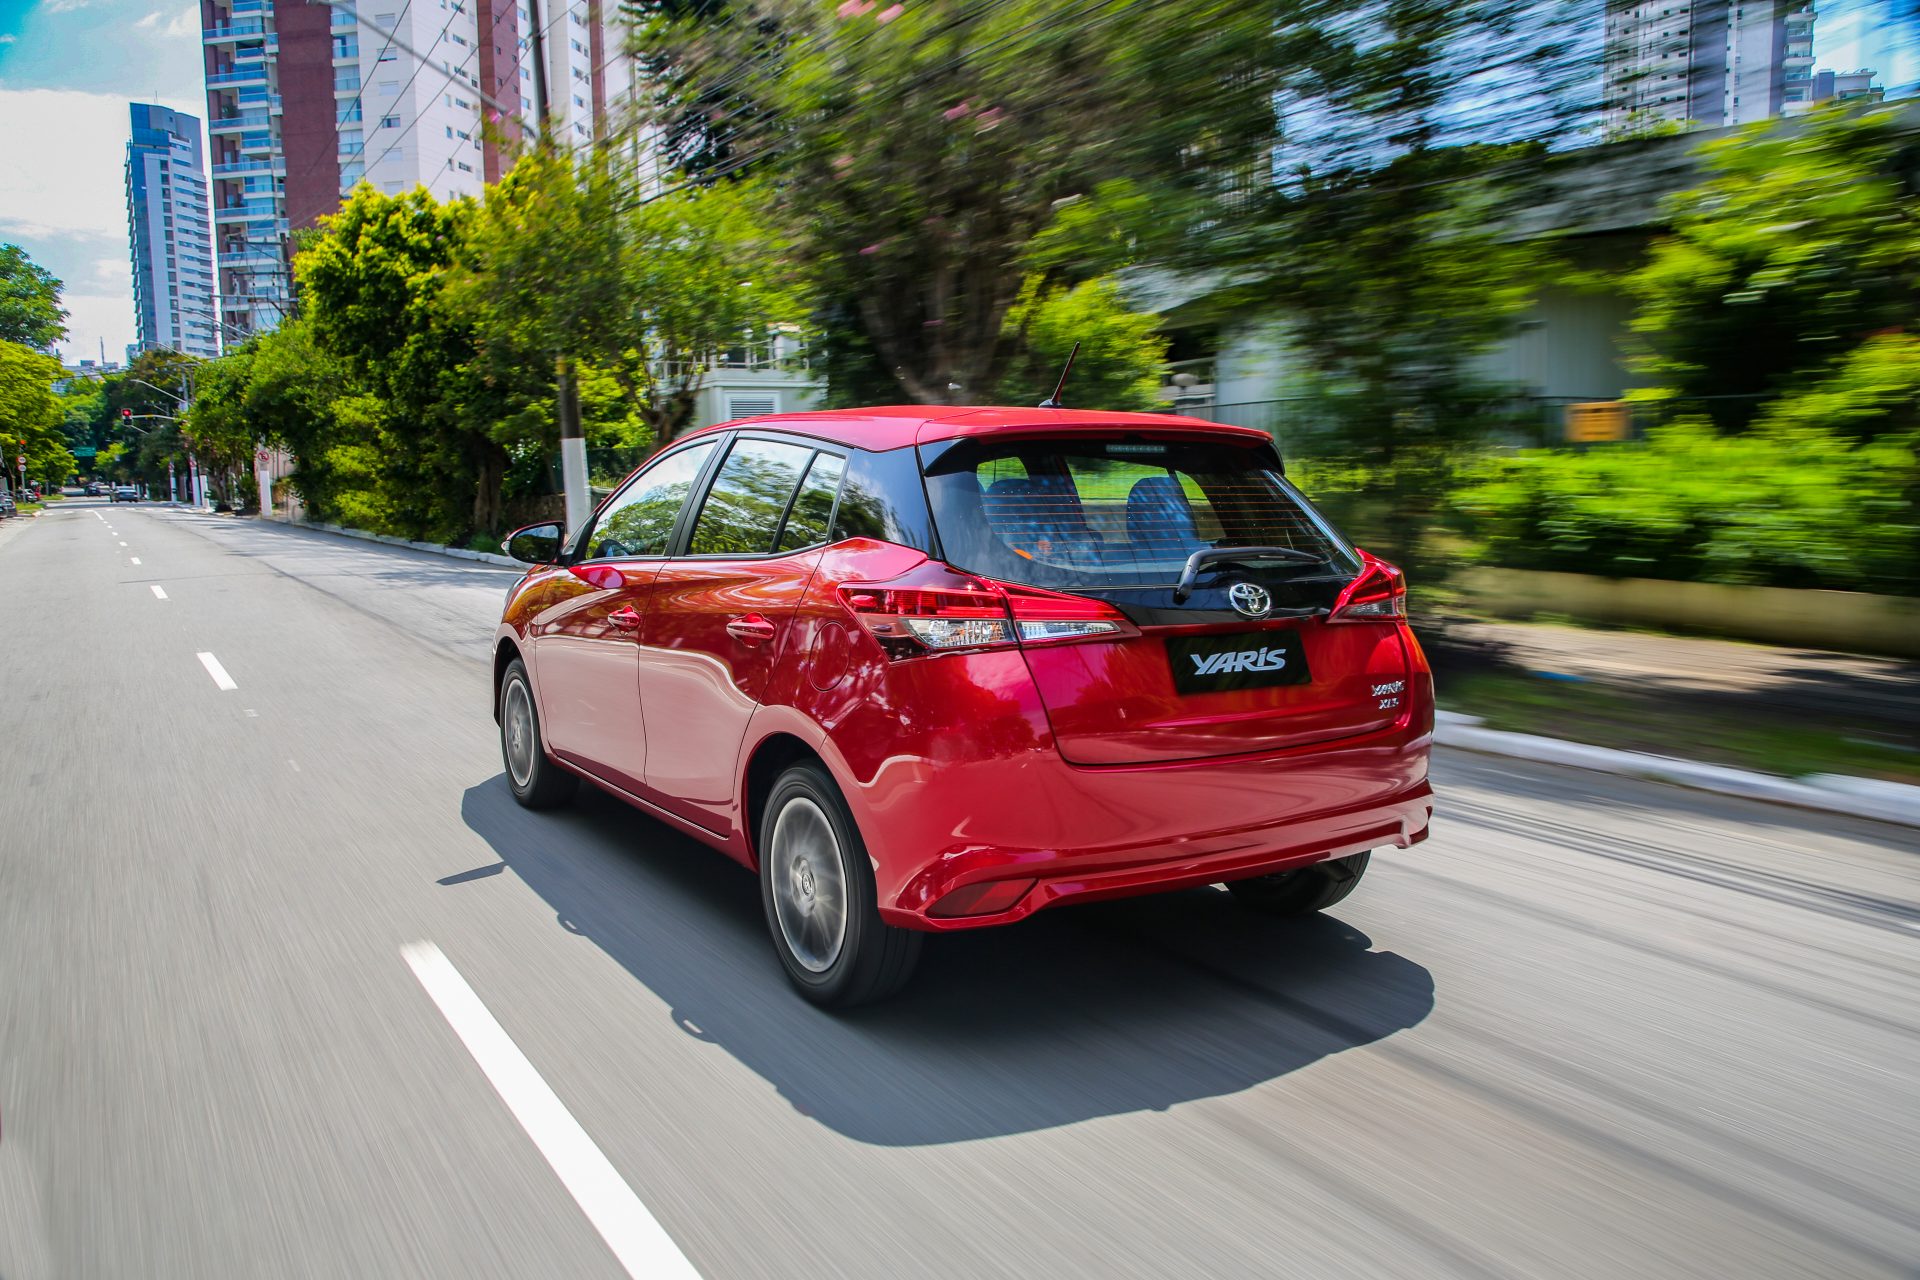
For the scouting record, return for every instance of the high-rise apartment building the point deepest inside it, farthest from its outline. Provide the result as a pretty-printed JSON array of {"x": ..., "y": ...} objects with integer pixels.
[
  {"x": 308, "y": 99},
  {"x": 167, "y": 231},
  {"x": 1705, "y": 63}
]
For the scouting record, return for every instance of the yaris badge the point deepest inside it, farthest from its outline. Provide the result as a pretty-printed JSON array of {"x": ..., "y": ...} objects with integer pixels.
[{"x": 1250, "y": 598}]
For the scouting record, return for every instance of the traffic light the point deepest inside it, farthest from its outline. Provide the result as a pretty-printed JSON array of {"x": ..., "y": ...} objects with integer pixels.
[{"x": 126, "y": 415}]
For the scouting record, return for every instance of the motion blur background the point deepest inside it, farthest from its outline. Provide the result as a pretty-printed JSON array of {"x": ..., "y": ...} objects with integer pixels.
[{"x": 1583, "y": 312}]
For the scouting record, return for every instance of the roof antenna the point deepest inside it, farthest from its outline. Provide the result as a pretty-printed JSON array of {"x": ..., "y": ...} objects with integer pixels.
[{"x": 1053, "y": 401}]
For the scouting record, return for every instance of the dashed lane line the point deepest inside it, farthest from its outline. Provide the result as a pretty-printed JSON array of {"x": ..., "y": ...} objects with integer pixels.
[
  {"x": 218, "y": 672},
  {"x": 159, "y": 592}
]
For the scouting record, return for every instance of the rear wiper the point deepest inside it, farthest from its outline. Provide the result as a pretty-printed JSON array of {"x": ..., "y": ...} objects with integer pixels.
[{"x": 1200, "y": 559}]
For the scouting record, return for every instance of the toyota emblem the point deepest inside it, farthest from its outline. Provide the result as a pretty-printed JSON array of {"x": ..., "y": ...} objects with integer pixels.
[{"x": 1250, "y": 598}]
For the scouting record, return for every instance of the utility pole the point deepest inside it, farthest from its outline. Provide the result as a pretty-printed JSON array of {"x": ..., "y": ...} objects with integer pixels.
[{"x": 573, "y": 445}]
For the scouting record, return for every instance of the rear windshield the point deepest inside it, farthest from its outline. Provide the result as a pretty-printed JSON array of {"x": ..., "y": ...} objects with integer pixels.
[{"x": 1053, "y": 513}]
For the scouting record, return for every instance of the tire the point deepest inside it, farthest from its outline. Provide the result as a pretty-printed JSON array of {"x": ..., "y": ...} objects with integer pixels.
[
  {"x": 537, "y": 782},
  {"x": 1304, "y": 890},
  {"x": 811, "y": 855}
]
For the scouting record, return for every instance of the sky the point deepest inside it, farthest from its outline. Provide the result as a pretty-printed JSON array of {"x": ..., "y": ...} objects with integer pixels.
[{"x": 69, "y": 68}]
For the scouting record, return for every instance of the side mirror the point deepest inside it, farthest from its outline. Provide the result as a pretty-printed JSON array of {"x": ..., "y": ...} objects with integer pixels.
[{"x": 535, "y": 544}]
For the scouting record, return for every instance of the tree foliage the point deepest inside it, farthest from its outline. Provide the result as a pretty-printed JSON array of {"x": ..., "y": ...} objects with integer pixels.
[
  {"x": 1121, "y": 355},
  {"x": 30, "y": 414},
  {"x": 374, "y": 285},
  {"x": 918, "y": 149},
  {"x": 1803, "y": 243},
  {"x": 30, "y": 312}
]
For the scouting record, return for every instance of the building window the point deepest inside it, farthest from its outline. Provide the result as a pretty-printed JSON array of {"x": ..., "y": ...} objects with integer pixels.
[
  {"x": 346, "y": 78},
  {"x": 346, "y": 46},
  {"x": 465, "y": 167},
  {"x": 389, "y": 122},
  {"x": 389, "y": 88}
]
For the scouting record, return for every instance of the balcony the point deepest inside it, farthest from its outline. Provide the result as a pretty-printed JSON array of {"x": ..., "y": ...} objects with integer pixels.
[
  {"x": 238, "y": 76},
  {"x": 240, "y": 30},
  {"x": 248, "y": 164},
  {"x": 238, "y": 122},
  {"x": 243, "y": 7}
]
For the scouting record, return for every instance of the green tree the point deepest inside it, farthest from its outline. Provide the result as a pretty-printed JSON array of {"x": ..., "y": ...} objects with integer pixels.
[
  {"x": 373, "y": 282},
  {"x": 30, "y": 312},
  {"x": 30, "y": 414},
  {"x": 1801, "y": 244},
  {"x": 917, "y": 149}
]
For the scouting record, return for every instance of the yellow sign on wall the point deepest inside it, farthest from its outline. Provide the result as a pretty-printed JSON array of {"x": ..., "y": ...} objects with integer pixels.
[{"x": 1598, "y": 420}]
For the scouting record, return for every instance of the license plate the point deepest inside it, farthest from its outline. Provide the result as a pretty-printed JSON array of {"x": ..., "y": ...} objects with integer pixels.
[{"x": 1245, "y": 660}]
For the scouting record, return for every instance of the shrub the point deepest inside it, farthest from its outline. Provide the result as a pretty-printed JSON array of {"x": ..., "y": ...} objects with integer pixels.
[{"x": 1787, "y": 505}]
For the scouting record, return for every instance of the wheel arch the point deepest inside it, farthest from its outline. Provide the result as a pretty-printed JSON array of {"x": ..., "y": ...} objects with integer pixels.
[
  {"x": 773, "y": 756},
  {"x": 504, "y": 653}
]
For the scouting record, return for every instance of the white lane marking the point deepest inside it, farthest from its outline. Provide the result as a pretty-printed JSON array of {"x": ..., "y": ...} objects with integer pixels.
[
  {"x": 218, "y": 672},
  {"x": 135, "y": 559},
  {"x": 635, "y": 1237},
  {"x": 123, "y": 544},
  {"x": 159, "y": 592}
]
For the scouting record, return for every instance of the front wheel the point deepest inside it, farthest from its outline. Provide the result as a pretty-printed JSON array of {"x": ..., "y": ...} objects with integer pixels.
[
  {"x": 817, "y": 888},
  {"x": 1304, "y": 890},
  {"x": 537, "y": 782}
]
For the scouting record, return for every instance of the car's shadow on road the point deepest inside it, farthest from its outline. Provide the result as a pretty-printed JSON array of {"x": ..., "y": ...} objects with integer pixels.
[{"x": 1074, "y": 1014}]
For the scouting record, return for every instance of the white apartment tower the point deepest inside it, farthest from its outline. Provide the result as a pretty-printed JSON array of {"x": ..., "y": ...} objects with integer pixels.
[
  {"x": 1705, "y": 63},
  {"x": 306, "y": 100}
]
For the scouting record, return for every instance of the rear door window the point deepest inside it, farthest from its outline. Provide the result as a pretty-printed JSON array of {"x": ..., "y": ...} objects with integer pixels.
[
  {"x": 749, "y": 498},
  {"x": 813, "y": 506},
  {"x": 1093, "y": 513}
]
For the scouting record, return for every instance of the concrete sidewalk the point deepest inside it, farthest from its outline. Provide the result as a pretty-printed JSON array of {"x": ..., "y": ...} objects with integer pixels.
[{"x": 1880, "y": 694}]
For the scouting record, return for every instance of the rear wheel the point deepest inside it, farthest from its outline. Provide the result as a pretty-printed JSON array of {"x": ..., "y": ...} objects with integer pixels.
[
  {"x": 537, "y": 782},
  {"x": 816, "y": 886},
  {"x": 1304, "y": 890}
]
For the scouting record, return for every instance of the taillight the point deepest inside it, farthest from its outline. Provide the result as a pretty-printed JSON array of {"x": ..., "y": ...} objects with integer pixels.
[
  {"x": 935, "y": 609},
  {"x": 1379, "y": 594}
]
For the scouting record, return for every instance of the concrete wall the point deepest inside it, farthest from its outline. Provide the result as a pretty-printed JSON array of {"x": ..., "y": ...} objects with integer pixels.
[{"x": 1846, "y": 621}]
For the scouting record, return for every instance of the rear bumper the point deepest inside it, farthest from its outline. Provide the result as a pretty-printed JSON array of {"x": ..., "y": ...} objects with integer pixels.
[{"x": 1120, "y": 831}]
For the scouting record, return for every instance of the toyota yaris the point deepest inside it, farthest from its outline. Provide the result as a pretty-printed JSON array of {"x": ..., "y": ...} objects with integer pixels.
[{"x": 931, "y": 668}]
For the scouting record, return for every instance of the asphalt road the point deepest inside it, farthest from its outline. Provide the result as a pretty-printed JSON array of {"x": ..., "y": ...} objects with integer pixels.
[{"x": 1592, "y": 1028}]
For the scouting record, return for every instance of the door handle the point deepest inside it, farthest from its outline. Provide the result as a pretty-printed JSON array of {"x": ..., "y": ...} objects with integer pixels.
[
  {"x": 624, "y": 617},
  {"x": 751, "y": 630}
]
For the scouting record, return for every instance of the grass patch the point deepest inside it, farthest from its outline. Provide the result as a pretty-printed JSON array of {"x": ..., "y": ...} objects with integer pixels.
[{"x": 1605, "y": 716}]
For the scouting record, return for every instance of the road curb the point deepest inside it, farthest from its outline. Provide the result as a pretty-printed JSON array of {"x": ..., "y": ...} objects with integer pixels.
[
  {"x": 1827, "y": 792},
  {"x": 434, "y": 548}
]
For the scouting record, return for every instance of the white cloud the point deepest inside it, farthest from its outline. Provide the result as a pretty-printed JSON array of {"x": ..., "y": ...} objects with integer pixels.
[
  {"x": 9, "y": 38},
  {"x": 66, "y": 6},
  {"x": 149, "y": 20},
  {"x": 184, "y": 23}
]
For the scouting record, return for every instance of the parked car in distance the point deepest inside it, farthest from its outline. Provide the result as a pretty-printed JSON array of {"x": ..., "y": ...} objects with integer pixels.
[
  {"x": 7, "y": 506},
  {"x": 125, "y": 493},
  {"x": 28, "y": 493},
  {"x": 928, "y": 669}
]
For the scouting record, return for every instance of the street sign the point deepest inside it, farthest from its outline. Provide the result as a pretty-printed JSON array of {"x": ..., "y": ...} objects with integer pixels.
[
  {"x": 84, "y": 451},
  {"x": 21, "y": 462},
  {"x": 1597, "y": 421}
]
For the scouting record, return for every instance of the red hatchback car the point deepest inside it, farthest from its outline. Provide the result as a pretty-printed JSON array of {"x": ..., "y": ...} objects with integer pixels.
[{"x": 937, "y": 668}]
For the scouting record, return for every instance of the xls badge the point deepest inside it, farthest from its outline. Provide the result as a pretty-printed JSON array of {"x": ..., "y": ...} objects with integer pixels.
[{"x": 1250, "y": 598}]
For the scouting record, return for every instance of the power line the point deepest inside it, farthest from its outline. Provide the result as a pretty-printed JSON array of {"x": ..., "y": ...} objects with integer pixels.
[
  {"x": 340, "y": 117},
  {"x": 460, "y": 71}
]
